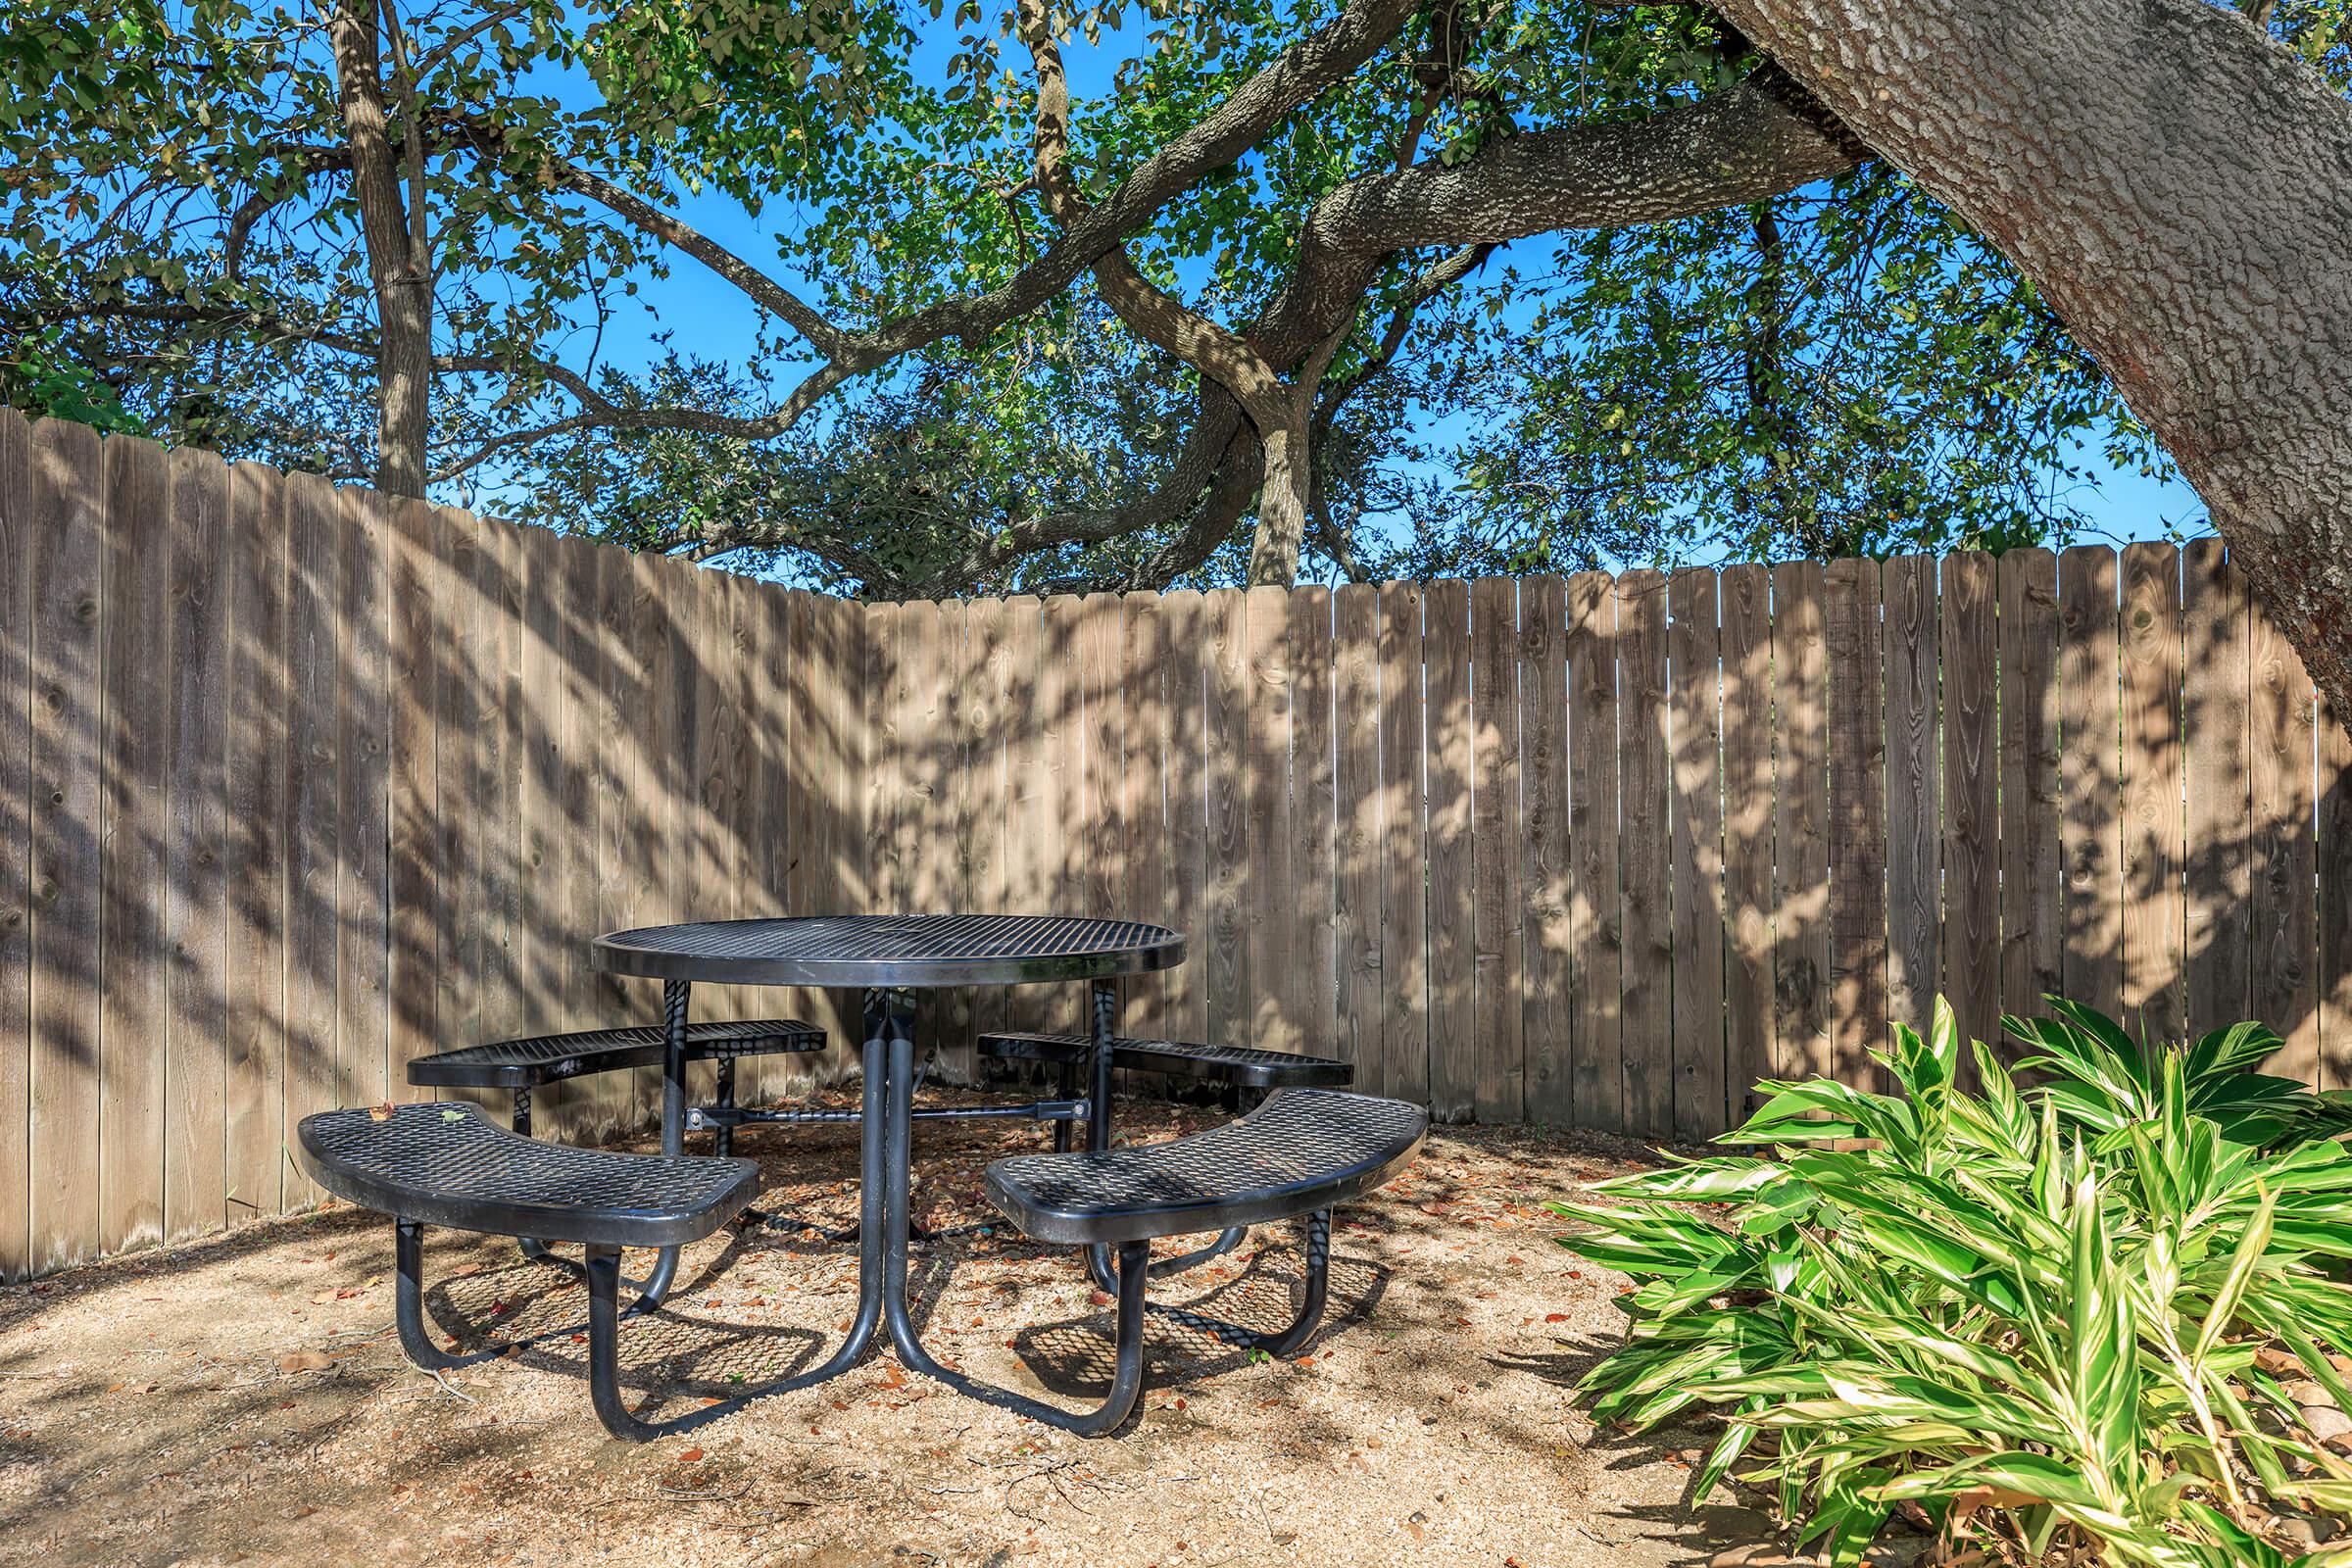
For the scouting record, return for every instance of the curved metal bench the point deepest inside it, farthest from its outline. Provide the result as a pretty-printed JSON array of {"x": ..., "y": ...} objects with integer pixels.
[
  {"x": 534, "y": 1061},
  {"x": 1244, "y": 1066},
  {"x": 1232, "y": 1064},
  {"x": 450, "y": 1164},
  {"x": 1301, "y": 1153}
]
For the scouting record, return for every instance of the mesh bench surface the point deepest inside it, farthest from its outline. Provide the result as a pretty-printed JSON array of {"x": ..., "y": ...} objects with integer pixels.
[
  {"x": 450, "y": 1164},
  {"x": 1303, "y": 1150},
  {"x": 545, "y": 1058},
  {"x": 1233, "y": 1064}
]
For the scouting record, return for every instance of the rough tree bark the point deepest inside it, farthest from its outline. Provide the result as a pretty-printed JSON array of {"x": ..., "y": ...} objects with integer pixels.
[
  {"x": 398, "y": 269},
  {"x": 2180, "y": 188}
]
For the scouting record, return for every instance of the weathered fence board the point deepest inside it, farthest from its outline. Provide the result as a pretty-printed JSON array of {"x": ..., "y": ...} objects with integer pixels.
[
  {"x": 1747, "y": 845},
  {"x": 131, "y": 1090},
  {"x": 1498, "y": 1089},
  {"x": 255, "y": 986},
  {"x": 1646, "y": 855},
  {"x": 194, "y": 894},
  {"x": 1597, "y": 1069},
  {"x": 1972, "y": 893},
  {"x": 20, "y": 816},
  {"x": 1802, "y": 1022},
  {"x": 2215, "y": 712},
  {"x": 297, "y": 784},
  {"x": 2154, "y": 828},
  {"x": 1226, "y": 954},
  {"x": 2282, "y": 929},
  {"x": 1453, "y": 877},
  {"x": 1694, "y": 652},
  {"x": 1312, "y": 999},
  {"x": 1357, "y": 842},
  {"x": 1914, "y": 803},
  {"x": 2090, "y": 777},
  {"x": 1547, "y": 929},
  {"x": 2032, "y": 881},
  {"x": 1403, "y": 848},
  {"x": 1832, "y": 616},
  {"x": 1184, "y": 617}
]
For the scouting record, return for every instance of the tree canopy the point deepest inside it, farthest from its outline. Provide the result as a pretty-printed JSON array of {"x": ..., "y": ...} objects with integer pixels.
[{"x": 1108, "y": 296}]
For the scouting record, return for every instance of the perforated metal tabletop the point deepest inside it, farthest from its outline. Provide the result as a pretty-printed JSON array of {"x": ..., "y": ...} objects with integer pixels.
[{"x": 891, "y": 949}]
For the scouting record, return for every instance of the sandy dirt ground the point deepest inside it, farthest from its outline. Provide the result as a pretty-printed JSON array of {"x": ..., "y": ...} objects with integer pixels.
[{"x": 245, "y": 1400}]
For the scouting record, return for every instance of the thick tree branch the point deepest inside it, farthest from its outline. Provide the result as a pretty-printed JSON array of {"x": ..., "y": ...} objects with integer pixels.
[
  {"x": 2179, "y": 186},
  {"x": 756, "y": 285}
]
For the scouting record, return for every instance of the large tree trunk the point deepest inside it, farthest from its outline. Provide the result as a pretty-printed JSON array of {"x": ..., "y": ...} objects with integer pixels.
[
  {"x": 1282, "y": 502},
  {"x": 2180, "y": 188},
  {"x": 398, "y": 270}
]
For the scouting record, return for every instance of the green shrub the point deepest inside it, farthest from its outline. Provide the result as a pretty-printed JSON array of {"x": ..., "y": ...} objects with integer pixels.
[{"x": 2055, "y": 1314}]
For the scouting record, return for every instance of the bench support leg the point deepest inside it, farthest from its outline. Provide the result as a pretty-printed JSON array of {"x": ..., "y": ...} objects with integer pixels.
[
  {"x": 1227, "y": 1239},
  {"x": 1105, "y": 1015},
  {"x": 649, "y": 1290},
  {"x": 1282, "y": 1341},
  {"x": 722, "y": 1137},
  {"x": 408, "y": 1250}
]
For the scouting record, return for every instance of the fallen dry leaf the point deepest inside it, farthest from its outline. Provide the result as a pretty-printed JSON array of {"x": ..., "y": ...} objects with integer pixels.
[
  {"x": 303, "y": 1362},
  {"x": 382, "y": 1112}
]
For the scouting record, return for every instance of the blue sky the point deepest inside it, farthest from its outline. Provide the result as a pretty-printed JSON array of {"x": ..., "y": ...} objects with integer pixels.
[{"x": 696, "y": 315}]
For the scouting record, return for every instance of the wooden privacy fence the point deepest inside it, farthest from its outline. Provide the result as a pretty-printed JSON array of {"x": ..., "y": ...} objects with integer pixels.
[
  {"x": 299, "y": 783},
  {"x": 1606, "y": 850}
]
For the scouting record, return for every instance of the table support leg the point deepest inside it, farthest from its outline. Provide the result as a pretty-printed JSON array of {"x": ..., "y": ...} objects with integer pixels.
[
  {"x": 1127, "y": 1376},
  {"x": 876, "y": 1184},
  {"x": 1098, "y": 1127}
]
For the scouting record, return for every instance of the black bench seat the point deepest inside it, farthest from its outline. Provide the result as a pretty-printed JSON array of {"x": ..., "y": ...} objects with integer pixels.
[
  {"x": 1303, "y": 1150},
  {"x": 443, "y": 1163},
  {"x": 1298, "y": 1154},
  {"x": 1234, "y": 1064},
  {"x": 450, "y": 1164},
  {"x": 539, "y": 1059}
]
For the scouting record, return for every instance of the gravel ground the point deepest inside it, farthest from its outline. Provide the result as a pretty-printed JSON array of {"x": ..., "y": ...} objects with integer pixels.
[{"x": 244, "y": 1400}]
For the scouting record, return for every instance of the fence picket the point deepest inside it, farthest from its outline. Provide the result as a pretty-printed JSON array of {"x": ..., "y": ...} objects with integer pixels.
[
  {"x": 1547, "y": 929},
  {"x": 1404, "y": 848},
  {"x": 134, "y": 731},
  {"x": 1694, "y": 652},
  {"x": 2033, "y": 872},
  {"x": 1596, "y": 920},
  {"x": 18, "y": 815},
  {"x": 2089, "y": 771},
  {"x": 1857, "y": 822},
  {"x": 1972, "y": 845},
  {"x": 1804, "y": 1025},
  {"x": 1914, "y": 805},
  {"x": 2154, "y": 832},
  {"x": 195, "y": 901},
  {"x": 2282, "y": 913},
  {"x": 1748, "y": 798},
  {"x": 1453, "y": 999},
  {"x": 1500, "y": 1072}
]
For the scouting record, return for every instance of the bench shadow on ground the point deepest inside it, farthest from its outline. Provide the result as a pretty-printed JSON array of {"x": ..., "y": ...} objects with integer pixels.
[
  {"x": 677, "y": 1355},
  {"x": 1074, "y": 1358}
]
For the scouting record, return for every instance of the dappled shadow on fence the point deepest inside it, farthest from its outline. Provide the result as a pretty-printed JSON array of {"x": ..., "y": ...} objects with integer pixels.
[
  {"x": 298, "y": 783},
  {"x": 307, "y": 783},
  {"x": 1606, "y": 850}
]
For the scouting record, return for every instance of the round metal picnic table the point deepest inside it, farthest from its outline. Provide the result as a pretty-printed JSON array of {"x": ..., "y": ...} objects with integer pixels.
[{"x": 888, "y": 957}]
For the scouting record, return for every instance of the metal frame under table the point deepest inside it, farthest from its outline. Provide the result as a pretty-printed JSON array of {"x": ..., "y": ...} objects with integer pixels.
[{"x": 889, "y": 957}]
